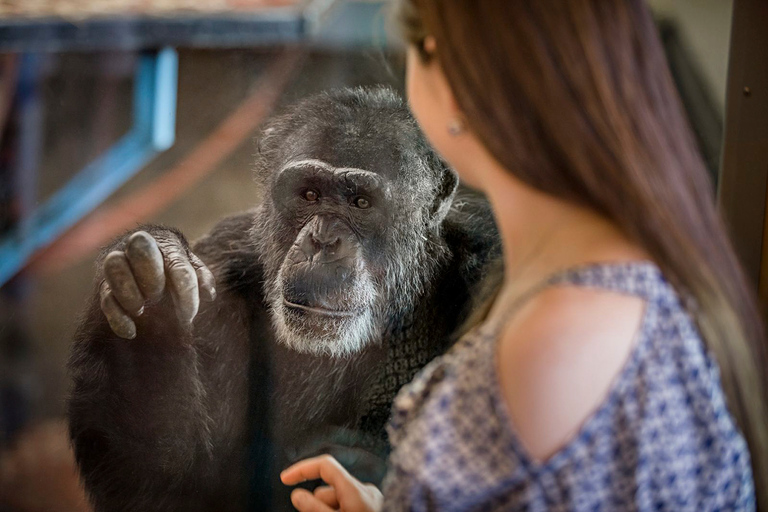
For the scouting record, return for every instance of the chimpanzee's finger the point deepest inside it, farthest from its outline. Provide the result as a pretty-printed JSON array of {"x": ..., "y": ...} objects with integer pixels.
[
  {"x": 118, "y": 274},
  {"x": 118, "y": 319},
  {"x": 147, "y": 264},
  {"x": 182, "y": 279},
  {"x": 205, "y": 279}
]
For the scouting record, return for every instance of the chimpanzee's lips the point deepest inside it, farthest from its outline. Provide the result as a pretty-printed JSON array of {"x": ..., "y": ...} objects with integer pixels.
[{"x": 319, "y": 310}]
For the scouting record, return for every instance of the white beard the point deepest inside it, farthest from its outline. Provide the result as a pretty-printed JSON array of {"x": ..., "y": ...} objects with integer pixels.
[{"x": 339, "y": 336}]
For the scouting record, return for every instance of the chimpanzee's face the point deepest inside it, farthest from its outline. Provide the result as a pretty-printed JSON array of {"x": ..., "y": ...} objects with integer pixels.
[
  {"x": 348, "y": 233},
  {"x": 330, "y": 277}
]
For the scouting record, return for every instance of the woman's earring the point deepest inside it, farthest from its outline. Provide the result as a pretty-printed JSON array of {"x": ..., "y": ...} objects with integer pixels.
[{"x": 456, "y": 127}]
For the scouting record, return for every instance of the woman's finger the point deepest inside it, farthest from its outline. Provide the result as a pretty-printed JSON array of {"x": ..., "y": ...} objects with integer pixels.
[
  {"x": 324, "y": 467},
  {"x": 305, "y": 501},
  {"x": 327, "y": 495}
]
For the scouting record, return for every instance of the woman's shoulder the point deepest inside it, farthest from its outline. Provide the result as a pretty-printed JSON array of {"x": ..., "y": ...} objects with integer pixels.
[
  {"x": 558, "y": 357},
  {"x": 568, "y": 341},
  {"x": 602, "y": 362}
]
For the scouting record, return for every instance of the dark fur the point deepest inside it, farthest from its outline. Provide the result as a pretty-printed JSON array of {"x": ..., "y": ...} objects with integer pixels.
[{"x": 179, "y": 420}]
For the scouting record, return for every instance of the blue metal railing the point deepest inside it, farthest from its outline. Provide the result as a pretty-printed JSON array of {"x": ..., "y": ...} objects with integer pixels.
[{"x": 153, "y": 131}]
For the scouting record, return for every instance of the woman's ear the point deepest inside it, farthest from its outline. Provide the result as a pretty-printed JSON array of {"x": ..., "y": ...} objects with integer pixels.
[
  {"x": 430, "y": 46},
  {"x": 440, "y": 85}
]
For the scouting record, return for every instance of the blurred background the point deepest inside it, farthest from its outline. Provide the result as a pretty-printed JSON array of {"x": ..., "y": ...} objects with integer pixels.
[{"x": 120, "y": 112}]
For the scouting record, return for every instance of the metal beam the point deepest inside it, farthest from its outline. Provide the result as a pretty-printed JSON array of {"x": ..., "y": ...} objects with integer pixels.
[
  {"x": 237, "y": 28},
  {"x": 153, "y": 131}
]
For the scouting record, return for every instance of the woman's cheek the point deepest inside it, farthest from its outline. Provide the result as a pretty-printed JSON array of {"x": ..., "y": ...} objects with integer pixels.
[{"x": 423, "y": 102}]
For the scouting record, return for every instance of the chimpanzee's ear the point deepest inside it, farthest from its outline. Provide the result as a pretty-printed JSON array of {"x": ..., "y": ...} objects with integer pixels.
[
  {"x": 445, "y": 193},
  {"x": 263, "y": 136},
  {"x": 263, "y": 170}
]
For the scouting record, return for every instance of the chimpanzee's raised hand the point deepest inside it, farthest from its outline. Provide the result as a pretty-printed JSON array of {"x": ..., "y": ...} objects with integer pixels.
[{"x": 147, "y": 269}]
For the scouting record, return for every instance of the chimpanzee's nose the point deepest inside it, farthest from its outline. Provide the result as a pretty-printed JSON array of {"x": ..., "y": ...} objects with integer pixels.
[
  {"x": 324, "y": 237},
  {"x": 326, "y": 240}
]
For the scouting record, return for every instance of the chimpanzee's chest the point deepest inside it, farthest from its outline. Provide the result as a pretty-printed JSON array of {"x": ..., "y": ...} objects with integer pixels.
[{"x": 302, "y": 405}]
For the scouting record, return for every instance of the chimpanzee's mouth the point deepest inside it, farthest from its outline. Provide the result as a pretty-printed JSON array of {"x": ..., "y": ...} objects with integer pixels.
[{"x": 319, "y": 310}]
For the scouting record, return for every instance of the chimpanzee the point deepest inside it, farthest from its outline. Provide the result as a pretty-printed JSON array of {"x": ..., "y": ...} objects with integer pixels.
[{"x": 200, "y": 371}]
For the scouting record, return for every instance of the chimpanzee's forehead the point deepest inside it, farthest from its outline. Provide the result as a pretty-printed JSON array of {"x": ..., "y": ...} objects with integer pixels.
[{"x": 350, "y": 146}]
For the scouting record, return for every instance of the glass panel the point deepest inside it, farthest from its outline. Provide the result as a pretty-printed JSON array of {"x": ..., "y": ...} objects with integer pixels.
[
  {"x": 69, "y": 91},
  {"x": 71, "y": 100}
]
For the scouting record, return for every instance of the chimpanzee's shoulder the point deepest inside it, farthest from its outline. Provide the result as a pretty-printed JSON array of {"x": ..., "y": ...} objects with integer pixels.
[
  {"x": 229, "y": 235},
  {"x": 471, "y": 233},
  {"x": 229, "y": 251}
]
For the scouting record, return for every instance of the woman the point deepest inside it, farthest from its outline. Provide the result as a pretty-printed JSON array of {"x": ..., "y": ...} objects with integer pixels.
[{"x": 596, "y": 379}]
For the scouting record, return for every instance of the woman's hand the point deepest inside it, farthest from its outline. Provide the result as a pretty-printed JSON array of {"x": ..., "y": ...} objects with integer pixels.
[{"x": 343, "y": 491}]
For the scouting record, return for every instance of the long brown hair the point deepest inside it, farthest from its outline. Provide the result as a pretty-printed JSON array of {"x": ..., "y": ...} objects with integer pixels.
[{"x": 575, "y": 98}]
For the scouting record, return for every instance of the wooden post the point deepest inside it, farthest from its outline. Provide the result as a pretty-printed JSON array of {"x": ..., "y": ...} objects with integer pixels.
[{"x": 744, "y": 170}]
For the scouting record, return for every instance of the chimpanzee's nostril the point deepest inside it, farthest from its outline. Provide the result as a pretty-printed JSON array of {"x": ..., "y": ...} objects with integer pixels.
[{"x": 328, "y": 242}]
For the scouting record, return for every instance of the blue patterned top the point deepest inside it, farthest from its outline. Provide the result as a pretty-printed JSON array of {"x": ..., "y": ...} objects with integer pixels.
[{"x": 662, "y": 439}]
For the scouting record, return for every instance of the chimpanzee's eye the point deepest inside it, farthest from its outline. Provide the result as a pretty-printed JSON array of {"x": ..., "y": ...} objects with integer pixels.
[
  {"x": 361, "y": 202},
  {"x": 311, "y": 196}
]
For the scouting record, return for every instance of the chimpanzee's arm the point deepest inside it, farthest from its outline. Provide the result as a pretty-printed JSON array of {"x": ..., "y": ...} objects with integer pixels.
[{"x": 157, "y": 421}]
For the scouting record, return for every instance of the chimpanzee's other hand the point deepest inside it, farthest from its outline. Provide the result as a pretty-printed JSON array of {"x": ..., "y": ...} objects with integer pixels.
[{"x": 144, "y": 272}]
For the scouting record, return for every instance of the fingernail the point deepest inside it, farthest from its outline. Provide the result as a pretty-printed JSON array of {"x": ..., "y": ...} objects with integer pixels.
[
  {"x": 140, "y": 311},
  {"x": 184, "y": 318},
  {"x": 213, "y": 293}
]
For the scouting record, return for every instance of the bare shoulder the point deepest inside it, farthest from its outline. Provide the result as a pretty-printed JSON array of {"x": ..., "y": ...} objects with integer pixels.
[{"x": 558, "y": 357}]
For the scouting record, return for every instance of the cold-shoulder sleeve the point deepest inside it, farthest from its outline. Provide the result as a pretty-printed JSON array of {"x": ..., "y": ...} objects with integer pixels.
[{"x": 662, "y": 439}]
